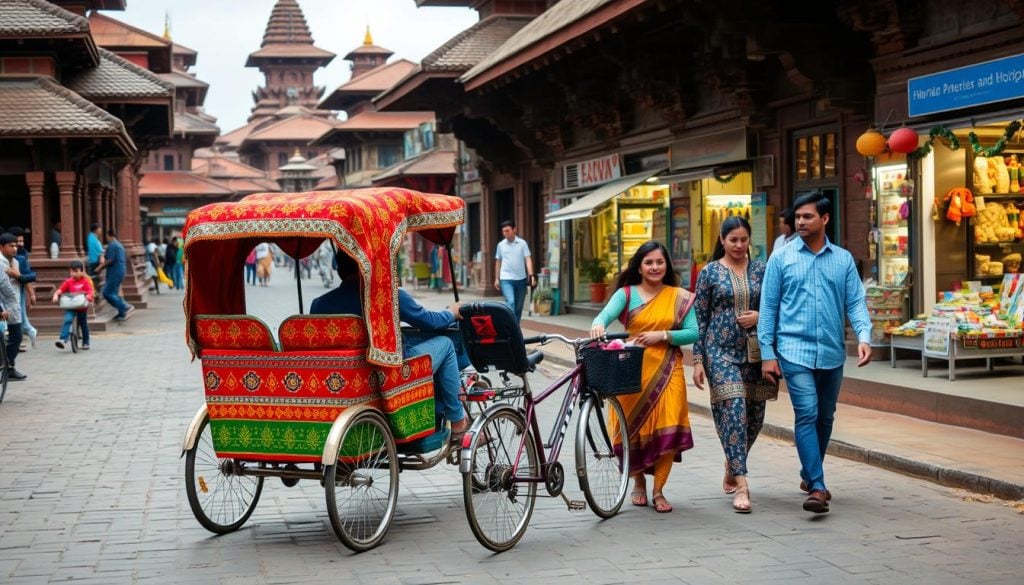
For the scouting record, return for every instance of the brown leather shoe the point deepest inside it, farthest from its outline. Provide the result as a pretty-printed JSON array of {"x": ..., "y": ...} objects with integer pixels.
[
  {"x": 816, "y": 502},
  {"x": 803, "y": 488}
]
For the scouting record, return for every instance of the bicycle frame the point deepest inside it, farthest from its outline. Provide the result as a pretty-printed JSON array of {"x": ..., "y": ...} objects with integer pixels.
[{"x": 554, "y": 444}]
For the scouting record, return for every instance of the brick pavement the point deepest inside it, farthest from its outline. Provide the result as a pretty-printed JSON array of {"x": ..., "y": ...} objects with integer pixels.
[{"x": 92, "y": 492}]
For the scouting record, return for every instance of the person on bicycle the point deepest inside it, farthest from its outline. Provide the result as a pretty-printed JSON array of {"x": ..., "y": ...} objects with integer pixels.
[
  {"x": 78, "y": 284},
  {"x": 346, "y": 300}
]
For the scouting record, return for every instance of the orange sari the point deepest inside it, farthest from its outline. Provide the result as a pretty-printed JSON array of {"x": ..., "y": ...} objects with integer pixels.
[{"x": 658, "y": 416}]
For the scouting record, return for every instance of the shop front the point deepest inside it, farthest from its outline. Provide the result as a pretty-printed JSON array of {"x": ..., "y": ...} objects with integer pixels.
[
  {"x": 609, "y": 217},
  {"x": 965, "y": 208}
]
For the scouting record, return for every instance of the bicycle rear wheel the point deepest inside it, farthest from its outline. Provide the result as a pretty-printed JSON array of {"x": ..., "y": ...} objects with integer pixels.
[
  {"x": 603, "y": 475},
  {"x": 498, "y": 507},
  {"x": 73, "y": 338},
  {"x": 221, "y": 496}
]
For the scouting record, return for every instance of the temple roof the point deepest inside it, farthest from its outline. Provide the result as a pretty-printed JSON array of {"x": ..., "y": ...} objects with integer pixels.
[
  {"x": 116, "y": 78},
  {"x": 187, "y": 123},
  {"x": 19, "y": 18},
  {"x": 432, "y": 162},
  {"x": 119, "y": 36},
  {"x": 222, "y": 167},
  {"x": 298, "y": 127},
  {"x": 367, "y": 85},
  {"x": 180, "y": 78},
  {"x": 39, "y": 107},
  {"x": 180, "y": 184},
  {"x": 287, "y": 36}
]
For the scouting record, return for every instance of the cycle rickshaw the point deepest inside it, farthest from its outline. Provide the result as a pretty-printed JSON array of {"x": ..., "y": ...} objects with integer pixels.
[{"x": 331, "y": 397}]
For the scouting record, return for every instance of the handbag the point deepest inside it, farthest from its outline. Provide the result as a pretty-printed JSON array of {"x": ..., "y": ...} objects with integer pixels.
[
  {"x": 753, "y": 347},
  {"x": 73, "y": 301}
]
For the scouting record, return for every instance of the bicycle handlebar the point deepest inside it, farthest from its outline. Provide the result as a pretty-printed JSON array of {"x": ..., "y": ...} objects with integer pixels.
[{"x": 542, "y": 339}]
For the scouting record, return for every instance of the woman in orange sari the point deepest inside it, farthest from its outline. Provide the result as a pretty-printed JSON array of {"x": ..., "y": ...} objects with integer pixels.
[{"x": 656, "y": 313}]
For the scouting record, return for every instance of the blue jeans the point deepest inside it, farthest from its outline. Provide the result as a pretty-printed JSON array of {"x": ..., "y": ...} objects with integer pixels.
[
  {"x": 83, "y": 324},
  {"x": 446, "y": 374},
  {"x": 814, "y": 394},
  {"x": 250, "y": 274},
  {"x": 110, "y": 291},
  {"x": 179, "y": 276},
  {"x": 514, "y": 292},
  {"x": 25, "y": 325}
]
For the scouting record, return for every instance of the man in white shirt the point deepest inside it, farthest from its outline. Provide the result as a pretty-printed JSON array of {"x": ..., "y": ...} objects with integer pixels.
[
  {"x": 513, "y": 268},
  {"x": 787, "y": 230}
]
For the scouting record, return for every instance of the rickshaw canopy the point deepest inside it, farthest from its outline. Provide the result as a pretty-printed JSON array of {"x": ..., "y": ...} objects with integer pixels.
[{"x": 369, "y": 225}]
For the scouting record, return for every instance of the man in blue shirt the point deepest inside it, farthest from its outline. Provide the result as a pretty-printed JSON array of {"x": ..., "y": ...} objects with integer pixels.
[
  {"x": 115, "y": 261},
  {"x": 810, "y": 285},
  {"x": 346, "y": 300},
  {"x": 513, "y": 268},
  {"x": 94, "y": 249}
]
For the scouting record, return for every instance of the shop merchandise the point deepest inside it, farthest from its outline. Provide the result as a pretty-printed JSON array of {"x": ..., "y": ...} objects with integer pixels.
[{"x": 979, "y": 314}]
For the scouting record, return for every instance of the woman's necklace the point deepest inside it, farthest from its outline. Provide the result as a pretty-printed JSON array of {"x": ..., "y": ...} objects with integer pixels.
[{"x": 739, "y": 271}]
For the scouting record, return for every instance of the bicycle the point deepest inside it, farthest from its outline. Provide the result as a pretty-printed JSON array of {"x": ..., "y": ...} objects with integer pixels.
[
  {"x": 502, "y": 459},
  {"x": 76, "y": 335}
]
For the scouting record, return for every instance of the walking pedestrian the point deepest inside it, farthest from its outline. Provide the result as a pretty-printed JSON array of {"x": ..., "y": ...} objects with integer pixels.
[
  {"x": 26, "y": 284},
  {"x": 152, "y": 264},
  {"x": 171, "y": 260},
  {"x": 250, "y": 267},
  {"x": 809, "y": 287},
  {"x": 115, "y": 262},
  {"x": 10, "y": 297},
  {"x": 513, "y": 268},
  {"x": 726, "y": 354},
  {"x": 657, "y": 315},
  {"x": 179, "y": 266},
  {"x": 264, "y": 263},
  {"x": 787, "y": 230},
  {"x": 94, "y": 251}
]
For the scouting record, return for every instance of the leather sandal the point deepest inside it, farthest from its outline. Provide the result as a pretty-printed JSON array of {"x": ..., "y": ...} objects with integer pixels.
[
  {"x": 727, "y": 487},
  {"x": 661, "y": 504},
  {"x": 638, "y": 497}
]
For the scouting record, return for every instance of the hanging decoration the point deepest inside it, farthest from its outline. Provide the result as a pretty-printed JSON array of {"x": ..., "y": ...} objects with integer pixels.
[
  {"x": 724, "y": 179},
  {"x": 871, "y": 143},
  {"x": 999, "y": 146},
  {"x": 938, "y": 132},
  {"x": 903, "y": 140}
]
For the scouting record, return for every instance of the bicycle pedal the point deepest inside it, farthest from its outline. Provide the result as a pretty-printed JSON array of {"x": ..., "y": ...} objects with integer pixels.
[{"x": 577, "y": 505}]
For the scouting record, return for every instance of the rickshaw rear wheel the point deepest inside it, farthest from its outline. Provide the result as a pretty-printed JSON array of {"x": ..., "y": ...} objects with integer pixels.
[
  {"x": 221, "y": 497},
  {"x": 362, "y": 486}
]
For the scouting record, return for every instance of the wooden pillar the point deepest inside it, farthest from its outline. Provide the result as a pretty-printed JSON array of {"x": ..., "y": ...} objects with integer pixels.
[
  {"x": 80, "y": 218},
  {"x": 107, "y": 219},
  {"x": 68, "y": 231},
  {"x": 36, "y": 181}
]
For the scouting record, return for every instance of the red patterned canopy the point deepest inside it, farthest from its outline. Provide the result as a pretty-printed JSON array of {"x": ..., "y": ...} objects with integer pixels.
[{"x": 367, "y": 224}]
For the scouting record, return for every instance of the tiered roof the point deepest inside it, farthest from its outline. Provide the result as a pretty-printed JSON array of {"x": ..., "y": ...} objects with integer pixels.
[
  {"x": 115, "y": 78},
  {"x": 288, "y": 36}
]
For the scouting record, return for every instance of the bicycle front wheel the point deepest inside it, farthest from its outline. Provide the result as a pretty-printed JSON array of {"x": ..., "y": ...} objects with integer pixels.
[
  {"x": 498, "y": 506},
  {"x": 603, "y": 475},
  {"x": 3, "y": 367}
]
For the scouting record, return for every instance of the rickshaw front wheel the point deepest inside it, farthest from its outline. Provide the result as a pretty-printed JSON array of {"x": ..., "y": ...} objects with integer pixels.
[
  {"x": 221, "y": 497},
  {"x": 362, "y": 486}
]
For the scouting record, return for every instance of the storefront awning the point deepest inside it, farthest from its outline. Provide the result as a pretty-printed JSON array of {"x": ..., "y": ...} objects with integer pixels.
[
  {"x": 688, "y": 175},
  {"x": 584, "y": 206}
]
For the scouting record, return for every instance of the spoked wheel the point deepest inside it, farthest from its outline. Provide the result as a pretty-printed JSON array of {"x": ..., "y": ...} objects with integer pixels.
[
  {"x": 603, "y": 475},
  {"x": 362, "y": 487},
  {"x": 73, "y": 338},
  {"x": 221, "y": 498},
  {"x": 497, "y": 506}
]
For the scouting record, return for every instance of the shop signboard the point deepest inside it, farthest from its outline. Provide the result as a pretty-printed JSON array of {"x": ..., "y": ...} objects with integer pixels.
[
  {"x": 973, "y": 85},
  {"x": 709, "y": 149},
  {"x": 596, "y": 171},
  {"x": 936, "y": 336},
  {"x": 759, "y": 224}
]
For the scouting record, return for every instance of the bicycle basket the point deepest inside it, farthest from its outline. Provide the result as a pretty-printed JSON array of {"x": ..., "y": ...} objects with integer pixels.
[
  {"x": 73, "y": 301},
  {"x": 613, "y": 371}
]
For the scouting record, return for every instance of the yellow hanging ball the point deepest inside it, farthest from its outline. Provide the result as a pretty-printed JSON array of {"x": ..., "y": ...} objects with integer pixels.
[{"x": 871, "y": 143}]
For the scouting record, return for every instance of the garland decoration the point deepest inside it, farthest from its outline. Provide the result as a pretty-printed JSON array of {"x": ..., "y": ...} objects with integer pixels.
[
  {"x": 724, "y": 179},
  {"x": 937, "y": 132},
  {"x": 1000, "y": 144}
]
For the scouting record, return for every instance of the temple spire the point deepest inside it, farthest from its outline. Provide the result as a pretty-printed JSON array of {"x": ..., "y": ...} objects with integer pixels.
[
  {"x": 167, "y": 25},
  {"x": 368, "y": 38}
]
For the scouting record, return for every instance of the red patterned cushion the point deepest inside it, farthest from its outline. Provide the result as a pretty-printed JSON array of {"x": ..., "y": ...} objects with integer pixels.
[
  {"x": 233, "y": 332},
  {"x": 301, "y": 332}
]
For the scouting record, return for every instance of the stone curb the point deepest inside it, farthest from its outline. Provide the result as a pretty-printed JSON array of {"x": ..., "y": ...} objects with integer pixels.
[{"x": 945, "y": 476}]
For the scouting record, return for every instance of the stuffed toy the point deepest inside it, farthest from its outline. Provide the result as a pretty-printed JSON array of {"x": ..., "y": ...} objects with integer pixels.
[{"x": 956, "y": 198}]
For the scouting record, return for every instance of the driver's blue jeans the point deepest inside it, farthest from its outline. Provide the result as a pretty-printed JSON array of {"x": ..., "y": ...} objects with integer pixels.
[{"x": 446, "y": 374}]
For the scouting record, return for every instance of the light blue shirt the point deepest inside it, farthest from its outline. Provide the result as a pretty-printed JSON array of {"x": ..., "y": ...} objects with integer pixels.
[
  {"x": 94, "y": 248},
  {"x": 804, "y": 299},
  {"x": 513, "y": 258}
]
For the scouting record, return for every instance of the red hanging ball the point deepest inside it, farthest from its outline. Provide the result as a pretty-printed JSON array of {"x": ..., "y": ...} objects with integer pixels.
[{"x": 903, "y": 140}]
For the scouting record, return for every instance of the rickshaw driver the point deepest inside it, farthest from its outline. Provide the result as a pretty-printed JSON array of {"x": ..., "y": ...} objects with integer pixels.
[{"x": 346, "y": 300}]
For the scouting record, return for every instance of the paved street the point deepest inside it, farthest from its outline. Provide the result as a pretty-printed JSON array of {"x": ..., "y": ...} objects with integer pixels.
[{"x": 92, "y": 491}]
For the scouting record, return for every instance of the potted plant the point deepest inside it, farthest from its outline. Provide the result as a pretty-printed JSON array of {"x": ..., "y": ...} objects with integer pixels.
[
  {"x": 542, "y": 301},
  {"x": 596, "y": 270}
]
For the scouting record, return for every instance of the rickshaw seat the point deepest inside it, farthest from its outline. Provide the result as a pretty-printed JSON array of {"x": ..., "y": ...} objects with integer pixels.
[
  {"x": 233, "y": 332},
  {"x": 304, "y": 332},
  {"x": 493, "y": 338}
]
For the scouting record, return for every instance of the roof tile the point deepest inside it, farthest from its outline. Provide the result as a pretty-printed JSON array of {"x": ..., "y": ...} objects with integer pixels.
[
  {"x": 36, "y": 17},
  {"x": 40, "y": 107},
  {"x": 472, "y": 45},
  {"x": 115, "y": 77}
]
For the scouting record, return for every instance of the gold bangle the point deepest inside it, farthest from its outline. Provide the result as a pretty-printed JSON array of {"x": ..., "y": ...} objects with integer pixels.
[{"x": 666, "y": 335}]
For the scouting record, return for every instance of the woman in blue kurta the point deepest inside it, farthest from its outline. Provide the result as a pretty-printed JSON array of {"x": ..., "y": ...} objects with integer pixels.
[{"x": 728, "y": 295}]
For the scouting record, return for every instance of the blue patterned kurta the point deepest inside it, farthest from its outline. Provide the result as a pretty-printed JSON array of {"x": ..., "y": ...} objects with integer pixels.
[{"x": 722, "y": 344}]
